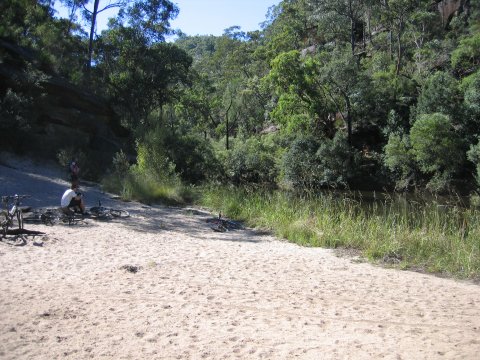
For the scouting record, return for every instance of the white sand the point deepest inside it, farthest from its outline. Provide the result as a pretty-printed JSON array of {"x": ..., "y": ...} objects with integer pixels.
[{"x": 200, "y": 294}]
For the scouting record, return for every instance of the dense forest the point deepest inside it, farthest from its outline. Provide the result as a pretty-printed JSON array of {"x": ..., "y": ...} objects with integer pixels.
[{"x": 357, "y": 94}]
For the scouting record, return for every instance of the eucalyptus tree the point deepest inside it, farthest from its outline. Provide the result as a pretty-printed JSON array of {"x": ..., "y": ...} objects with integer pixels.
[
  {"x": 437, "y": 148},
  {"x": 289, "y": 27},
  {"x": 396, "y": 15},
  {"x": 151, "y": 16},
  {"x": 141, "y": 77},
  {"x": 227, "y": 95},
  {"x": 302, "y": 104},
  {"x": 89, "y": 10},
  {"x": 345, "y": 17}
]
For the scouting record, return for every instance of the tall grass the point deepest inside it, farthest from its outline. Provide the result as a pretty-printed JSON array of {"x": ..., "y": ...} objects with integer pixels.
[
  {"x": 428, "y": 237},
  {"x": 134, "y": 185}
]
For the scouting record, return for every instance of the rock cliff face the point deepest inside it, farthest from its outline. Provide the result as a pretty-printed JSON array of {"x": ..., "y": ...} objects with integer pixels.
[
  {"x": 63, "y": 115},
  {"x": 448, "y": 8}
]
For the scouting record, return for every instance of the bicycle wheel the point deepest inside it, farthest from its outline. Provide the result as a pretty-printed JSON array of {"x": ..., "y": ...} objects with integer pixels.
[
  {"x": 5, "y": 224},
  {"x": 20, "y": 218},
  {"x": 49, "y": 217},
  {"x": 118, "y": 213},
  {"x": 218, "y": 226},
  {"x": 232, "y": 225},
  {"x": 100, "y": 212}
]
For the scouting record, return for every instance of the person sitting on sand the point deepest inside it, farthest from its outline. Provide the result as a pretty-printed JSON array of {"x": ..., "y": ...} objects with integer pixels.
[{"x": 72, "y": 201}]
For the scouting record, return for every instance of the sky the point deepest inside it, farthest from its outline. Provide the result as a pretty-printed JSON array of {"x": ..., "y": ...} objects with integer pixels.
[
  {"x": 211, "y": 17},
  {"x": 206, "y": 17}
]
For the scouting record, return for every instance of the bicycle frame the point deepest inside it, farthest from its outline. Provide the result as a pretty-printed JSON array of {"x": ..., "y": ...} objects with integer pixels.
[{"x": 14, "y": 211}]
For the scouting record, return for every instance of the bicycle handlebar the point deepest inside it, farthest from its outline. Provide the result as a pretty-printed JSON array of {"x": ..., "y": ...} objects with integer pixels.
[{"x": 8, "y": 198}]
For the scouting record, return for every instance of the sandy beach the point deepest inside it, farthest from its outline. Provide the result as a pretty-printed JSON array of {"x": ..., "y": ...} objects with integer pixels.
[{"x": 162, "y": 285}]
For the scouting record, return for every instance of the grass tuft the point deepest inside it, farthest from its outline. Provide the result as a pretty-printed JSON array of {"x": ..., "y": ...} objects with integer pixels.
[{"x": 428, "y": 237}]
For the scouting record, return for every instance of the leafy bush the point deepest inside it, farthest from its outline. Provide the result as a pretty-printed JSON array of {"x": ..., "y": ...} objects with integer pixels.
[
  {"x": 336, "y": 161},
  {"x": 440, "y": 94},
  {"x": 466, "y": 56},
  {"x": 189, "y": 156},
  {"x": 474, "y": 156},
  {"x": 299, "y": 166},
  {"x": 251, "y": 162},
  {"x": 437, "y": 149},
  {"x": 309, "y": 164},
  {"x": 153, "y": 163},
  {"x": 193, "y": 157},
  {"x": 471, "y": 87},
  {"x": 399, "y": 159}
]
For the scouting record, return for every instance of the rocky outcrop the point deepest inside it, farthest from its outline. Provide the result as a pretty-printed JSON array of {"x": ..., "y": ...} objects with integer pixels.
[
  {"x": 63, "y": 115},
  {"x": 448, "y": 8}
]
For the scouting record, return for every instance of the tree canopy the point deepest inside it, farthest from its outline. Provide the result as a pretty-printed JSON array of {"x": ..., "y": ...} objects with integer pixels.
[{"x": 342, "y": 93}]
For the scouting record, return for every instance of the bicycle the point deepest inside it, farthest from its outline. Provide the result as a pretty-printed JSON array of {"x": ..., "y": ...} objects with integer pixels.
[
  {"x": 105, "y": 213},
  {"x": 53, "y": 216},
  {"x": 222, "y": 225},
  {"x": 15, "y": 212}
]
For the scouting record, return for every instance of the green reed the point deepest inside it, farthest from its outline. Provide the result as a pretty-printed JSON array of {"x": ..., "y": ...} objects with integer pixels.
[{"x": 428, "y": 237}]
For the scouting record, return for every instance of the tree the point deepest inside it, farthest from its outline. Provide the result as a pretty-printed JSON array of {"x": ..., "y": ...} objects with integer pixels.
[
  {"x": 90, "y": 15},
  {"x": 149, "y": 16},
  {"x": 466, "y": 57},
  {"x": 344, "y": 85},
  {"x": 288, "y": 27},
  {"x": 396, "y": 14},
  {"x": 399, "y": 160},
  {"x": 302, "y": 100},
  {"x": 140, "y": 78},
  {"x": 350, "y": 13},
  {"x": 435, "y": 146}
]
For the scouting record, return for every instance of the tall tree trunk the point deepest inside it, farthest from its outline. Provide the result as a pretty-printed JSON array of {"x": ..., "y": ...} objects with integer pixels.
[
  {"x": 348, "y": 120},
  {"x": 352, "y": 35},
  {"x": 226, "y": 124},
  {"x": 399, "y": 55},
  {"x": 226, "y": 132},
  {"x": 92, "y": 33}
]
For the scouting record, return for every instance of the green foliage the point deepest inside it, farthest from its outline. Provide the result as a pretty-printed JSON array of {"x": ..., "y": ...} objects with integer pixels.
[
  {"x": 471, "y": 87},
  {"x": 20, "y": 20},
  {"x": 408, "y": 234},
  {"x": 440, "y": 93},
  {"x": 299, "y": 166},
  {"x": 292, "y": 114},
  {"x": 466, "y": 57},
  {"x": 152, "y": 160},
  {"x": 120, "y": 164},
  {"x": 140, "y": 183},
  {"x": 140, "y": 78},
  {"x": 311, "y": 164},
  {"x": 14, "y": 110},
  {"x": 20, "y": 96},
  {"x": 356, "y": 76},
  {"x": 399, "y": 159},
  {"x": 287, "y": 72},
  {"x": 151, "y": 18},
  {"x": 473, "y": 155},
  {"x": 193, "y": 157},
  {"x": 436, "y": 147},
  {"x": 251, "y": 162},
  {"x": 166, "y": 155},
  {"x": 288, "y": 27},
  {"x": 337, "y": 161},
  {"x": 390, "y": 96},
  {"x": 31, "y": 24}
]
